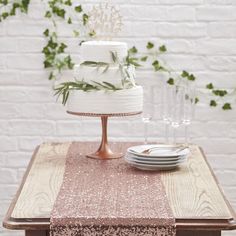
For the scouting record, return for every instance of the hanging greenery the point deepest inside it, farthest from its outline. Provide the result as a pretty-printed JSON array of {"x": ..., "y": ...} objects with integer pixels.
[{"x": 56, "y": 60}]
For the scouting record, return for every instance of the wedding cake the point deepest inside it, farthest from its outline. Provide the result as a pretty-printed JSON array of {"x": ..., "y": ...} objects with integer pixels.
[{"x": 104, "y": 81}]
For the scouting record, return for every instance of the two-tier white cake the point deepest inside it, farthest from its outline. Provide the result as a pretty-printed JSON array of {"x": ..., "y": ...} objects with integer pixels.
[{"x": 103, "y": 62}]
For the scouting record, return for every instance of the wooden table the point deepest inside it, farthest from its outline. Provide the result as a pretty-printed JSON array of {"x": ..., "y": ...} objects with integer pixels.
[{"x": 198, "y": 204}]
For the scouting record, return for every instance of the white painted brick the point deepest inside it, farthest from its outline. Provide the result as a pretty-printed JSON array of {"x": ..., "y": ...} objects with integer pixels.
[
  {"x": 8, "y": 176},
  {"x": 17, "y": 159},
  {"x": 222, "y": 30},
  {"x": 216, "y": 145},
  {"x": 8, "y": 77},
  {"x": 181, "y": 30},
  {"x": 227, "y": 79},
  {"x": 21, "y": 94},
  {"x": 69, "y": 128},
  {"x": 7, "y": 192},
  {"x": 212, "y": 13},
  {"x": 186, "y": 62},
  {"x": 25, "y": 61},
  {"x": 215, "y": 47},
  {"x": 31, "y": 28},
  {"x": 39, "y": 78},
  {"x": 7, "y": 45},
  {"x": 29, "y": 143},
  {"x": 30, "y": 127},
  {"x": 20, "y": 173},
  {"x": 31, "y": 45},
  {"x": 37, "y": 10},
  {"x": 226, "y": 178},
  {"x": 220, "y": 2},
  {"x": 222, "y": 63},
  {"x": 8, "y": 144},
  {"x": 138, "y": 29},
  {"x": 187, "y": 2},
  {"x": 141, "y": 12},
  {"x": 222, "y": 161},
  {"x": 2, "y": 62},
  {"x": 181, "y": 13}
]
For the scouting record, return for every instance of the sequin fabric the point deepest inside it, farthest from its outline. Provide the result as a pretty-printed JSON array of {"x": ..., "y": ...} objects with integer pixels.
[{"x": 109, "y": 198}]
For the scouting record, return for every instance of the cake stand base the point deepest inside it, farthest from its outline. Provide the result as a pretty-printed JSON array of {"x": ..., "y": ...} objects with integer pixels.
[{"x": 104, "y": 152}]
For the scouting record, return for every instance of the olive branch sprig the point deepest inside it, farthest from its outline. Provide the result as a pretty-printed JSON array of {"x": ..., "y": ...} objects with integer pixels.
[{"x": 65, "y": 88}]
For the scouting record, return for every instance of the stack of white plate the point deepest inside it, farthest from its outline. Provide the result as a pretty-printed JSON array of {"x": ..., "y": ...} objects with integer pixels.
[{"x": 157, "y": 157}]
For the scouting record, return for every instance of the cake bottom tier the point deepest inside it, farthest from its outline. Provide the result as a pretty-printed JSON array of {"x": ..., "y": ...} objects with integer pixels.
[{"x": 106, "y": 102}]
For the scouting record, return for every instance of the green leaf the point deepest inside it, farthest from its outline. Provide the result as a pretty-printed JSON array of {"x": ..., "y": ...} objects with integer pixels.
[
  {"x": 47, "y": 64},
  {"x": 150, "y": 45},
  {"x": 51, "y": 76},
  {"x": 133, "y": 50},
  {"x": 46, "y": 32},
  {"x": 184, "y": 74},
  {"x": 191, "y": 77},
  {"x": 61, "y": 48},
  {"x": 227, "y": 106},
  {"x": 162, "y": 48},
  {"x": 48, "y": 14},
  {"x": 69, "y": 21},
  {"x": 85, "y": 19},
  {"x": 78, "y": 9},
  {"x": 25, "y": 4},
  {"x": 109, "y": 85},
  {"x": 5, "y": 15},
  {"x": 144, "y": 58},
  {"x": 76, "y": 33},
  {"x": 68, "y": 2},
  {"x": 171, "y": 81},
  {"x": 114, "y": 56},
  {"x": 196, "y": 100},
  {"x": 213, "y": 103},
  {"x": 209, "y": 86},
  {"x": 92, "y": 33},
  {"x": 220, "y": 93},
  {"x": 157, "y": 66}
]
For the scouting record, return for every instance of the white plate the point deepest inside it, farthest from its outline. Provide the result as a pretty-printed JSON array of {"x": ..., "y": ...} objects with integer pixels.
[
  {"x": 153, "y": 162},
  {"x": 161, "y": 151},
  {"x": 145, "y": 158},
  {"x": 153, "y": 168}
]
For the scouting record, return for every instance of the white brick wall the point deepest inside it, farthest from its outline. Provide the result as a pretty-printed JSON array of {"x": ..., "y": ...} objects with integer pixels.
[{"x": 200, "y": 36}]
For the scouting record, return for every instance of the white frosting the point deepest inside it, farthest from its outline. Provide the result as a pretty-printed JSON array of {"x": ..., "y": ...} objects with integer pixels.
[
  {"x": 100, "y": 51},
  {"x": 106, "y": 102},
  {"x": 113, "y": 75}
]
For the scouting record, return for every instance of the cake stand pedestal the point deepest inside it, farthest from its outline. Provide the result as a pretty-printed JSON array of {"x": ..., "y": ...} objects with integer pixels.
[{"x": 104, "y": 152}]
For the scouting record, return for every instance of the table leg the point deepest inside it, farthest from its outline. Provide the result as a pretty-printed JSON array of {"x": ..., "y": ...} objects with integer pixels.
[
  {"x": 36, "y": 233},
  {"x": 198, "y": 233}
]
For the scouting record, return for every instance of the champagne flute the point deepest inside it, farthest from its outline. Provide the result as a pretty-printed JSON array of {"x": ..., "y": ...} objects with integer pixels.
[
  {"x": 166, "y": 105},
  {"x": 177, "y": 109},
  {"x": 146, "y": 118},
  {"x": 189, "y": 109}
]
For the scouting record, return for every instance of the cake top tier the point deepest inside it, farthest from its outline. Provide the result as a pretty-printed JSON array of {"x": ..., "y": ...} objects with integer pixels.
[{"x": 100, "y": 51}]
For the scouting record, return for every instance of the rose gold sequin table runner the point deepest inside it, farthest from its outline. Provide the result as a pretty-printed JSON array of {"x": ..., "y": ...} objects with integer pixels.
[{"x": 109, "y": 198}]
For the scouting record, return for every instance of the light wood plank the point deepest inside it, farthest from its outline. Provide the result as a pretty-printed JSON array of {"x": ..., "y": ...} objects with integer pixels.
[
  {"x": 43, "y": 182},
  {"x": 193, "y": 192}
]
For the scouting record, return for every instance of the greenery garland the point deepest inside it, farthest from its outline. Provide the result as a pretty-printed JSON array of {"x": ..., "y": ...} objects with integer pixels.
[{"x": 56, "y": 60}]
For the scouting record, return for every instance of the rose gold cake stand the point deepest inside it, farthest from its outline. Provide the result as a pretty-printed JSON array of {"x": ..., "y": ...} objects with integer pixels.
[{"x": 104, "y": 152}]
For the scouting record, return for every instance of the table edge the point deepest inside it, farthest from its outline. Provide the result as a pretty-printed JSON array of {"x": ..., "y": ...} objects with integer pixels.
[{"x": 189, "y": 223}]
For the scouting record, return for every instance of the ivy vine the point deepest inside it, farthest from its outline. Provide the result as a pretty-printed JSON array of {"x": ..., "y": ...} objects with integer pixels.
[{"x": 56, "y": 59}]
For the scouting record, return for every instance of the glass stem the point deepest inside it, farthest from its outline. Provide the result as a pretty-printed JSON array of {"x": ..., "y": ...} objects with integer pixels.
[
  {"x": 146, "y": 132},
  {"x": 167, "y": 133},
  {"x": 174, "y": 134},
  {"x": 186, "y": 134}
]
